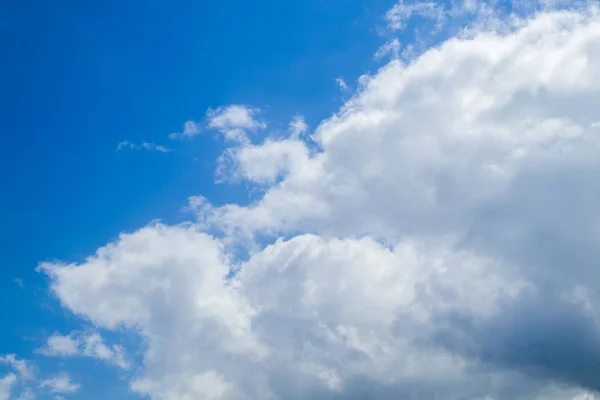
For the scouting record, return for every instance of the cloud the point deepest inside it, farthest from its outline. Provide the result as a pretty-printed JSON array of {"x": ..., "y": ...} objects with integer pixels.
[
  {"x": 60, "y": 384},
  {"x": 342, "y": 84},
  {"x": 27, "y": 394},
  {"x": 234, "y": 121},
  {"x": 190, "y": 129},
  {"x": 438, "y": 240},
  {"x": 22, "y": 367},
  {"x": 6, "y": 384},
  {"x": 125, "y": 144},
  {"x": 95, "y": 347},
  {"x": 89, "y": 344},
  {"x": 391, "y": 48},
  {"x": 58, "y": 345},
  {"x": 400, "y": 13},
  {"x": 24, "y": 374},
  {"x": 144, "y": 145},
  {"x": 155, "y": 147},
  {"x": 297, "y": 127}
]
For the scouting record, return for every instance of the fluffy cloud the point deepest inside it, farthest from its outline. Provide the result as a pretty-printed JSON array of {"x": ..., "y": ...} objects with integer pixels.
[
  {"x": 87, "y": 344},
  {"x": 21, "y": 374},
  {"x": 22, "y": 367},
  {"x": 6, "y": 384},
  {"x": 234, "y": 121},
  {"x": 58, "y": 345},
  {"x": 60, "y": 384},
  {"x": 437, "y": 238}
]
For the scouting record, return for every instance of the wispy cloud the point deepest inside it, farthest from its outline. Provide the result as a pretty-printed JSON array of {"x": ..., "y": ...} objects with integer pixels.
[
  {"x": 391, "y": 48},
  {"x": 125, "y": 144},
  {"x": 60, "y": 384},
  {"x": 297, "y": 126},
  {"x": 190, "y": 129},
  {"x": 155, "y": 147},
  {"x": 27, "y": 394},
  {"x": 398, "y": 15},
  {"x": 23, "y": 368},
  {"x": 342, "y": 84},
  {"x": 86, "y": 345}
]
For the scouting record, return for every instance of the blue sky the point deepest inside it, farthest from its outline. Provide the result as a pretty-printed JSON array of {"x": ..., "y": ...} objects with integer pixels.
[
  {"x": 80, "y": 78},
  {"x": 479, "y": 116}
]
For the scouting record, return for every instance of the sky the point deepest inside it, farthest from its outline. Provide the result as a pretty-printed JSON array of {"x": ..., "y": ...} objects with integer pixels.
[{"x": 300, "y": 200}]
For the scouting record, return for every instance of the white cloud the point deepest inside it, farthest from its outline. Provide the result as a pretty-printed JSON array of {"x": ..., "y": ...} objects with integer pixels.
[
  {"x": 95, "y": 347},
  {"x": 89, "y": 344},
  {"x": 6, "y": 385},
  {"x": 144, "y": 145},
  {"x": 60, "y": 384},
  {"x": 190, "y": 129},
  {"x": 342, "y": 84},
  {"x": 297, "y": 127},
  {"x": 268, "y": 162},
  {"x": 234, "y": 121},
  {"x": 391, "y": 48},
  {"x": 441, "y": 241},
  {"x": 208, "y": 385},
  {"x": 58, "y": 345},
  {"x": 125, "y": 144},
  {"x": 400, "y": 13},
  {"x": 155, "y": 147},
  {"x": 22, "y": 367},
  {"x": 27, "y": 394}
]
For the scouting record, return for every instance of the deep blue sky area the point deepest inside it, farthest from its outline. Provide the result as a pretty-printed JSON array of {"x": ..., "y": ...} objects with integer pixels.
[{"x": 76, "y": 78}]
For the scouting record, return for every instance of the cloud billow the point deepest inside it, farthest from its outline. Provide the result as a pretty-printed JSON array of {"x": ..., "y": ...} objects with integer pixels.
[{"x": 440, "y": 242}]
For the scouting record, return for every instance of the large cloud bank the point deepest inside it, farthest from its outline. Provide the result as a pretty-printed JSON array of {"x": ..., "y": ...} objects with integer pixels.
[{"x": 437, "y": 238}]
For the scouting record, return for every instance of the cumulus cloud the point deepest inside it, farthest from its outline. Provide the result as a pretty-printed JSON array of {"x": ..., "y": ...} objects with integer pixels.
[
  {"x": 60, "y": 384},
  {"x": 440, "y": 241},
  {"x": 234, "y": 121},
  {"x": 6, "y": 385},
  {"x": 89, "y": 344},
  {"x": 58, "y": 345}
]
